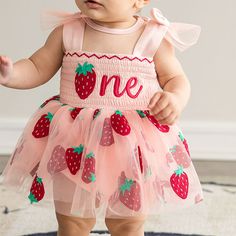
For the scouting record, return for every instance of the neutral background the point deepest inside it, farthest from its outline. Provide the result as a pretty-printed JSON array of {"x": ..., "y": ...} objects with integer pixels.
[{"x": 209, "y": 120}]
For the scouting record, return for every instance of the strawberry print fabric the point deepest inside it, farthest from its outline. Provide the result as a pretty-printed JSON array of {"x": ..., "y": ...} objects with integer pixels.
[{"x": 95, "y": 150}]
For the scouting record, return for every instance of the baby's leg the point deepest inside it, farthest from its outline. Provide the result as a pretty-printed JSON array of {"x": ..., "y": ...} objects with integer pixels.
[
  {"x": 74, "y": 226},
  {"x": 127, "y": 227}
]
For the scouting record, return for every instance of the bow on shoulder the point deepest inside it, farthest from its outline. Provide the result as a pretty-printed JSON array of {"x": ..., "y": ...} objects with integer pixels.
[{"x": 181, "y": 35}]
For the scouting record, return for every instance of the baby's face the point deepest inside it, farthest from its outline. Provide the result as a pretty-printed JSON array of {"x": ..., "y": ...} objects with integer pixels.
[{"x": 109, "y": 10}]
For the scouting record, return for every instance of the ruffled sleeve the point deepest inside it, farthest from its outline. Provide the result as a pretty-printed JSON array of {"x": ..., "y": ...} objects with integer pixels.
[
  {"x": 51, "y": 19},
  {"x": 180, "y": 35}
]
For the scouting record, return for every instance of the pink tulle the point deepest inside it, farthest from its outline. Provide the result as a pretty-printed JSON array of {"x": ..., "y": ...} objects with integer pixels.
[{"x": 181, "y": 35}]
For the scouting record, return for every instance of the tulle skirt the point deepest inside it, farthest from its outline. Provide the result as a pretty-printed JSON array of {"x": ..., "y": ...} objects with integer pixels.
[{"x": 105, "y": 162}]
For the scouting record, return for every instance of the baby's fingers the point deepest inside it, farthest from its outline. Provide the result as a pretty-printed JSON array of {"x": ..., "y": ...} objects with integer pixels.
[{"x": 4, "y": 60}]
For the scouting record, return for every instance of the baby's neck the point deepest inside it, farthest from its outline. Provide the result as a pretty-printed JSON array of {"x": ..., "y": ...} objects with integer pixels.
[{"x": 126, "y": 23}]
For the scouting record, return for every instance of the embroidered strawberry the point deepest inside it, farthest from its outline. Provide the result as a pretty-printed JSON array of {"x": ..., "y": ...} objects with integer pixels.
[
  {"x": 74, "y": 112},
  {"x": 88, "y": 174},
  {"x": 129, "y": 193},
  {"x": 56, "y": 97},
  {"x": 119, "y": 123},
  {"x": 180, "y": 156},
  {"x": 37, "y": 190},
  {"x": 33, "y": 171},
  {"x": 41, "y": 129},
  {"x": 57, "y": 161},
  {"x": 73, "y": 158},
  {"x": 107, "y": 138},
  {"x": 184, "y": 142},
  {"x": 141, "y": 113},
  {"x": 85, "y": 80},
  {"x": 162, "y": 128},
  {"x": 179, "y": 182},
  {"x": 96, "y": 113}
]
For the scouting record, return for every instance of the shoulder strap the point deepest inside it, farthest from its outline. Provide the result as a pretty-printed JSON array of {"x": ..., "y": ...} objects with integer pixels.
[
  {"x": 73, "y": 34},
  {"x": 150, "y": 39}
]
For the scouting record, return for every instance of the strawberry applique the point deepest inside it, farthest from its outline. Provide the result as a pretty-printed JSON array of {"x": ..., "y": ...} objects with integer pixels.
[
  {"x": 119, "y": 123},
  {"x": 129, "y": 193},
  {"x": 57, "y": 161},
  {"x": 107, "y": 138},
  {"x": 74, "y": 112},
  {"x": 96, "y": 113},
  {"x": 162, "y": 128},
  {"x": 146, "y": 113},
  {"x": 73, "y": 158},
  {"x": 180, "y": 156},
  {"x": 184, "y": 141},
  {"x": 56, "y": 97},
  {"x": 37, "y": 190},
  {"x": 85, "y": 80},
  {"x": 179, "y": 182},
  {"x": 41, "y": 129},
  {"x": 88, "y": 174}
]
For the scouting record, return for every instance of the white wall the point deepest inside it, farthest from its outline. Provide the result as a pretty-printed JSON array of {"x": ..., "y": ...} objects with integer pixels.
[{"x": 209, "y": 120}]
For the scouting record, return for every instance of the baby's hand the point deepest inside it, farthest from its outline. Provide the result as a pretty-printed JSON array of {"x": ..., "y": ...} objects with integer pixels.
[
  {"x": 165, "y": 107},
  {"x": 6, "y": 67}
]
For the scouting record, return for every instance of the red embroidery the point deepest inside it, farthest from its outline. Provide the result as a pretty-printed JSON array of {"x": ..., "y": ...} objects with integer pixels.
[
  {"x": 129, "y": 85},
  {"x": 111, "y": 57}
]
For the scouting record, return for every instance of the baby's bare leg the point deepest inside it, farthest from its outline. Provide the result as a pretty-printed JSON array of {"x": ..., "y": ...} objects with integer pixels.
[
  {"x": 127, "y": 227},
  {"x": 74, "y": 226}
]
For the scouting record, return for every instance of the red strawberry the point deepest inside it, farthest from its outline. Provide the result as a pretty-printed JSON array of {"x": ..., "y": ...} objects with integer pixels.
[
  {"x": 119, "y": 123},
  {"x": 96, "y": 113},
  {"x": 85, "y": 80},
  {"x": 88, "y": 174},
  {"x": 41, "y": 129},
  {"x": 129, "y": 192},
  {"x": 141, "y": 113},
  {"x": 179, "y": 182},
  {"x": 73, "y": 158},
  {"x": 57, "y": 161},
  {"x": 184, "y": 142},
  {"x": 56, "y": 97},
  {"x": 74, "y": 112},
  {"x": 37, "y": 190},
  {"x": 33, "y": 171},
  {"x": 180, "y": 156},
  {"x": 162, "y": 128},
  {"x": 107, "y": 138}
]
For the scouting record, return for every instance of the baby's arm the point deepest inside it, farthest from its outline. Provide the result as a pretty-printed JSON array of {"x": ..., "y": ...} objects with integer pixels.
[
  {"x": 167, "y": 105},
  {"x": 36, "y": 70},
  {"x": 170, "y": 73}
]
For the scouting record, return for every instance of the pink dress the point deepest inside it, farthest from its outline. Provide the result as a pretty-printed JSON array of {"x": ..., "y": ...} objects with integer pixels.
[{"x": 94, "y": 149}]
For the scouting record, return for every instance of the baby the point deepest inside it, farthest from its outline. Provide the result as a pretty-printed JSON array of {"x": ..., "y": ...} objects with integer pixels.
[{"x": 112, "y": 28}]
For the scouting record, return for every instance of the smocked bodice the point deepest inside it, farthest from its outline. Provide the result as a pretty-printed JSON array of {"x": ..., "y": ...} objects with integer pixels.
[{"x": 91, "y": 79}]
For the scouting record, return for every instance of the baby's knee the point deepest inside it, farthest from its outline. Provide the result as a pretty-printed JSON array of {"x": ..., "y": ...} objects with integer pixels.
[
  {"x": 75, "y": 224},
  {"x": 132, "y": 225}
]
